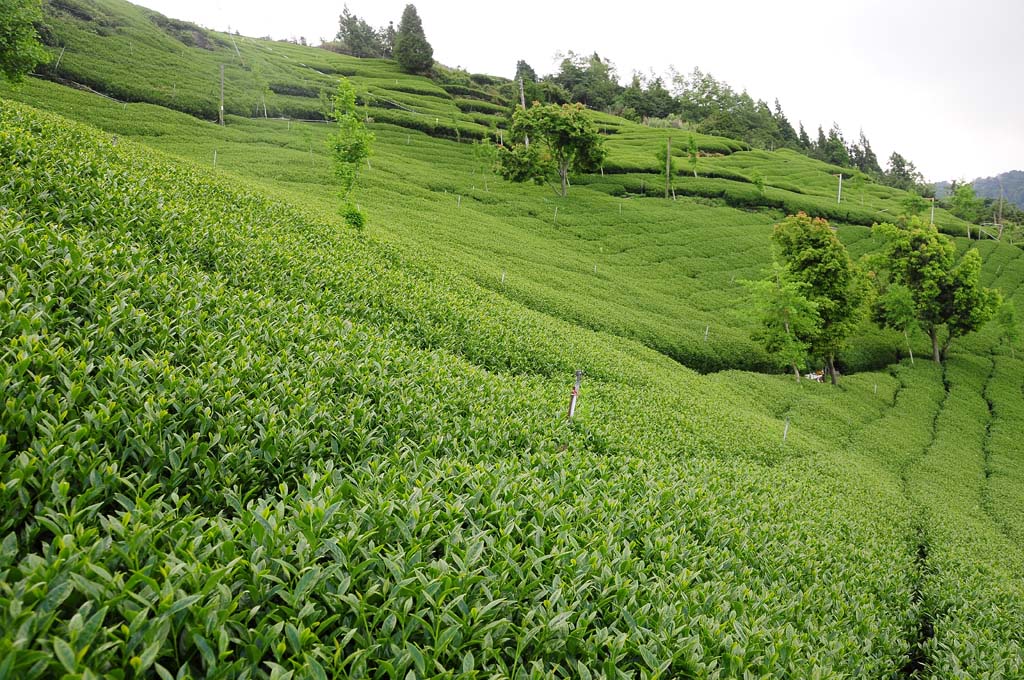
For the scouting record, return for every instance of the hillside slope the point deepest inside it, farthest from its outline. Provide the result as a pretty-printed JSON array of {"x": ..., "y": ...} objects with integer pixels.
[{"x": 241, "y": 438}]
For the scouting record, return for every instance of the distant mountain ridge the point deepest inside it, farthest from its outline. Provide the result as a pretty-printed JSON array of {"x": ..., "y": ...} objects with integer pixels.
[{"x": 1012, "y": 184}]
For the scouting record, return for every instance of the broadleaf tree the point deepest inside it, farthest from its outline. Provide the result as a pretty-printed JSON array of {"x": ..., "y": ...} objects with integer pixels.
[
  {"x": 789, "y": 316},
  {"x": 949, "y": 300},
  {"x": 20, "y": 49},
  {"x": 350, "y": 147},
  {"x": 813, "y": 255},
  {"x": 563, "y": 139}
]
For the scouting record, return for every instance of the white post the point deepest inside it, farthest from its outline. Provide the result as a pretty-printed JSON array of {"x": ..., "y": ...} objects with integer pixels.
[
  {"x": 933, "y": 210},
  {"x": 574, "y": 397},
  {"x": 707, "y": 329},
  {"x": 556, "y": 214},
  {"x": 785, "y": 431},
  {"x": 503, "y": 278},
  {"x": 459, "y": 204},
  {"x": 839, "y": 196},
  {"x": 214, "y": 158}
]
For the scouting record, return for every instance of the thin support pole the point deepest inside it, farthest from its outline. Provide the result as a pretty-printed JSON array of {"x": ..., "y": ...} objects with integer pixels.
[
  {"x": 575, "y": 395},
  {"x": 220, "y": 115}
]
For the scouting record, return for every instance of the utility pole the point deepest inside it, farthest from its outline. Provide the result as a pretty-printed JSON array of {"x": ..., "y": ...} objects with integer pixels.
[
  {"x": 220, "y": 115},
  {"x": 839, "y": 196}
]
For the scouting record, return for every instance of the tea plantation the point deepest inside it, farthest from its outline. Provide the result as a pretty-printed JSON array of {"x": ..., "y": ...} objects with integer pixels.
[{"x": 241, "y": 439}]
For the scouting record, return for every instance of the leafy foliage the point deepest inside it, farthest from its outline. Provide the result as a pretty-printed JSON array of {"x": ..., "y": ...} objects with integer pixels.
[
  {"x": 813, "y": 256},
  {"x": 788, "y": 317},
  {"x": 358, "y": 38},
  {"x": 351, "y": 141},
  {"x": 20, "y": 49},
  {"x": 947, "y": 294},
  {"x": 563, "y": 138}
]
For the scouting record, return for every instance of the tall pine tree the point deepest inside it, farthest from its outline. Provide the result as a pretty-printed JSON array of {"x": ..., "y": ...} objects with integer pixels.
[{"x": 413, "y": 52}]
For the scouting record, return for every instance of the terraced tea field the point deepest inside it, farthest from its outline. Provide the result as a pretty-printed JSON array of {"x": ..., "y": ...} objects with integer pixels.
[{"x": 241, "y": 439}]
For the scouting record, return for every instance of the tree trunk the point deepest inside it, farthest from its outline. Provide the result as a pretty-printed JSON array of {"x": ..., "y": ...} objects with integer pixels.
[
  {"x": 796, "y": 371},
  {"x": 933, "y": 333},
  {"x": 945, "y": 347},
  {"x": 563, "y": 172},
  {"x": 832, "y": 369},
  {"x": 909, "y": 348}
]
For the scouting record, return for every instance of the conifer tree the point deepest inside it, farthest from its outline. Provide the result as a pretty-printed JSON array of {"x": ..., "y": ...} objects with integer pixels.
[
  {"x": 413, "y": 52},
  {"x": 805, "y": 140}
]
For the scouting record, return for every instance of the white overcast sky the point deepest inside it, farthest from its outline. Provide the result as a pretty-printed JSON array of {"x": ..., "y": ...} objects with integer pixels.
[{"x": 938, "y": 81}]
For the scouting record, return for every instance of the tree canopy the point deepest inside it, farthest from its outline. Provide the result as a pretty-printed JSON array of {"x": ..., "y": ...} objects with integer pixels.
[
  {"x": 563, "y": 140},
  {"x": 948, "y": 298},
  {"x": 789, "y": 317},
  {"x": 814, "y": 258},
  {"x": 413, "y": 52},
  {"x": 350, "y": 146},
  {"x": 20, "y": 49},
  {"x": 358, "y": 38}
]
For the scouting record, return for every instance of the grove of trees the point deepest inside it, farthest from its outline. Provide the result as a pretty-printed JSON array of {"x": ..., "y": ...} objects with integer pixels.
[
  {"x": 407, "y": 44},
  {"x": 815, "y": 296}
]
